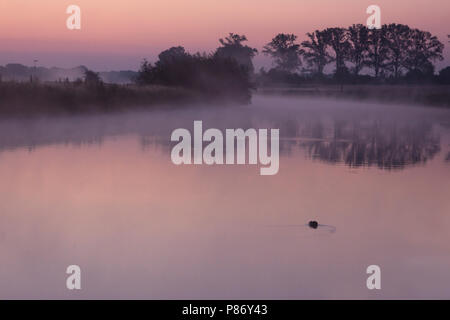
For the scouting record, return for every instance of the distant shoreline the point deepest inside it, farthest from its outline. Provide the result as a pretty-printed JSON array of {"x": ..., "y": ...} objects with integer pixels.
[{"x": 422, "y": 95}]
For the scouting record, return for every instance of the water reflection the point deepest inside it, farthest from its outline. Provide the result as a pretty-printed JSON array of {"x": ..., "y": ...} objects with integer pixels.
[
  {"x": 351, "y": 135},
  {"x": 101, "y": 192},
  {"x": 365, "y": 143}
]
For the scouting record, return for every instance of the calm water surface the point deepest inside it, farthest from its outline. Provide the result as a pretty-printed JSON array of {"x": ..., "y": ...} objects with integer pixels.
[{"x": 101, "y": 192}]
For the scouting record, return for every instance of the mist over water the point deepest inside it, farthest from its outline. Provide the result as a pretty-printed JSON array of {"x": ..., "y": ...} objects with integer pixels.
[
  {"x": 355, "y": 133},
  {"x": 101, "y": 191}
]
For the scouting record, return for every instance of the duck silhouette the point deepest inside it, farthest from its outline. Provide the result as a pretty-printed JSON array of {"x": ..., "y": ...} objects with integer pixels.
[{"x": 313, "y": 224}]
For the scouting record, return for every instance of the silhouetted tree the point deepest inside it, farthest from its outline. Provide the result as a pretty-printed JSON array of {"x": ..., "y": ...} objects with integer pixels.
[
  {"x": 232, "y": 47},
  {"x": 172, "y": 55},
  {"x": 377, "y": 50},
  {"x": 315, "y": 51},
  {"x": 358, "y": 51},
  {"x": 397, "y": 40},
  {"x": 211, "y": 75},
  {"x": 145, "y": 74},
  {"x": 285, "y": 52},
  {"x": 174, "y": 67},
  {"x": 338, "y": 41},
  {"x": 92, "y": 78},
  {"x": 423, "y": 48}
]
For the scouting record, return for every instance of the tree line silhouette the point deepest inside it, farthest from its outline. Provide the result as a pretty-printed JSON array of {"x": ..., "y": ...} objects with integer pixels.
[
  {"x": 217, "y": 75},
  {"x": 393, "y": 53}
]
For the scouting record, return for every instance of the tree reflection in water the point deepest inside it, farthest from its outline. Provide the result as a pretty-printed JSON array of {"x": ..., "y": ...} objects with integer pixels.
[{"x": 387, "y": 145}]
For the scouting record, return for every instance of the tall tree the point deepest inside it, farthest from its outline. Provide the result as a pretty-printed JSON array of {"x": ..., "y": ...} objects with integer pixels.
[
  {"x": 423, "y": 48},
  {"x": 358, "y": 36},
  {"x": 171, "y": 55},
  {"x": 397, "y": 40},
  {"x": 315, "y": 51},
  {"x": 232, "y": 47},
  {"x": 285, "y": 52},
  {"x": 377, "y": 50},
  {"x": 212, "y": 76},
  {"x": 92, "y": 78},
  {"x": 338, "y": 41},
  {"x": 174, "y": 67}
]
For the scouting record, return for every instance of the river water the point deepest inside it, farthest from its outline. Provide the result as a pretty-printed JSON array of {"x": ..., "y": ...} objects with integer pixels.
[{"x": 101, "y": 192}]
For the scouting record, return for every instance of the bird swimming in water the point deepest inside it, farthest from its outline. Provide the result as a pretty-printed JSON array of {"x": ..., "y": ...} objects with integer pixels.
[{"x": 313, "y": 224}]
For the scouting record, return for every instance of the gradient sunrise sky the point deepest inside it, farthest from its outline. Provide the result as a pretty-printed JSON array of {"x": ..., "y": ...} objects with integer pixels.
[{"x": 117, "y": 35}]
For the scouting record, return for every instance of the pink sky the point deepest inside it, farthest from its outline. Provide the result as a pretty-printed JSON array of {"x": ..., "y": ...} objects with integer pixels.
[{"x": 119, "y": 34}]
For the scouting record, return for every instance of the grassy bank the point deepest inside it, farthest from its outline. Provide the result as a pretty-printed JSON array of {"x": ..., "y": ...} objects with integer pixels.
[
  {"x": 427, "y": 95},
  {"x": 19, "y": 98}
]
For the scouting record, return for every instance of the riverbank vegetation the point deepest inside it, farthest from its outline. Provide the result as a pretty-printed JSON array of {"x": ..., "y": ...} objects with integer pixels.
[
  {"x": 84, "y": 97},
  {"x": 394, "y": 64}
]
